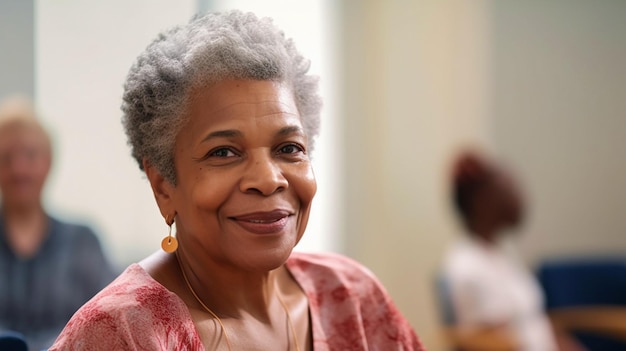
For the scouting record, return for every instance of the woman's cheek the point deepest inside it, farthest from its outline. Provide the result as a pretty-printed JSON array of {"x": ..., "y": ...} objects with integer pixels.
[
  {"x": 209, "y": 192},
  {"x": 306, "y": 184}
]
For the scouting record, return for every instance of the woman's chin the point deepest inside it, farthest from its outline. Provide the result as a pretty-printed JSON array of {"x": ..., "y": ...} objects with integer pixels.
[{"x": 266, "y": 260}]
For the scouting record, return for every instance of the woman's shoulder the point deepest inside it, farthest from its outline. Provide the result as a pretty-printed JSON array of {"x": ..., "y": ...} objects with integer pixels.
[
  {"x": 330, "y": 264},
  {"x": 133, "y": 291},
  {"x": 132, "y": 295},
  {"x": 133, "y": 310},
  {"x": 335, "y": 274},
  {"x": 350, "y": 307}
]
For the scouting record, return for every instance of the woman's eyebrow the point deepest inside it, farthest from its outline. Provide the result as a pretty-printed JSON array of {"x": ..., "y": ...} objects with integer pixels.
[
  {"x": 230, "y": 133},
  {"x": 233, "y": 133},
  {"x": 290, "y": 130}
]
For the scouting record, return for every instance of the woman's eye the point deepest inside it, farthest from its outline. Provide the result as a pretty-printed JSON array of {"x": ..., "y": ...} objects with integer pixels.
[
  {"x": 222, "y": 153},
  {"x": 291, "y": 149}
]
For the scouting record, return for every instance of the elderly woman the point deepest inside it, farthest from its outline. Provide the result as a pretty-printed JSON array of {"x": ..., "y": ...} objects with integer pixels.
[{"x": 221, "y": 115}]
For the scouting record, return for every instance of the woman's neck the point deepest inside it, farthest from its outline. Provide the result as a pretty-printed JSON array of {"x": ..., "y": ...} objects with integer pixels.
[
  {"x": 256, "y": 306},
  {"x": 229, "y": 292}
]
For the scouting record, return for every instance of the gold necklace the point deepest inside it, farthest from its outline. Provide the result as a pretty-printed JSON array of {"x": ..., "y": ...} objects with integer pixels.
[{"x": 293, "y": 329}]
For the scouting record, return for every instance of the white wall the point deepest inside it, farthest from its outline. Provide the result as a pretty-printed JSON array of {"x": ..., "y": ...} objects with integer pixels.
[{"x": 83, "y": 52}]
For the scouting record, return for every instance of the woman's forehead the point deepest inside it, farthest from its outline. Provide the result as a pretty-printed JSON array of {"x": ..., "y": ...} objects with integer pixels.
[
  {"x": 229, "y": 91},
  {"x": 231, "y": 100}
]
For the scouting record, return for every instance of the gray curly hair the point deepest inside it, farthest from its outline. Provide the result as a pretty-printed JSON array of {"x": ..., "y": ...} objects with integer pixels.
[{"x": 206, "y": 50}]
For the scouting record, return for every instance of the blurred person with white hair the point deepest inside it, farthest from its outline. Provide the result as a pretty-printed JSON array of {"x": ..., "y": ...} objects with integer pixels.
[{"x": 48, "y": 268}]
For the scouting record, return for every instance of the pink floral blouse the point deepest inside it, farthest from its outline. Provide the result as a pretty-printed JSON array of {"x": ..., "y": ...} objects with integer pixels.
[{"x": 350, "y": 310}]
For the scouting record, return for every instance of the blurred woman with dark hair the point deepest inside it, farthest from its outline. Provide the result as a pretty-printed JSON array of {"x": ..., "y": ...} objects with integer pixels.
[{"x": 494, "y": 297}]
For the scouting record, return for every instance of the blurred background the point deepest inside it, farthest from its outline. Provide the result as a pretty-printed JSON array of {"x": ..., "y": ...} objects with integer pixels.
[{"x": 406, "y": 85}]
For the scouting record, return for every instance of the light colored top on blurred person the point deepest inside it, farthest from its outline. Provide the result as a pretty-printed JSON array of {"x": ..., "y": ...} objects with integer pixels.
[
  {"x": 490, "y": 288},
  {"x": 48, "y": 268}
]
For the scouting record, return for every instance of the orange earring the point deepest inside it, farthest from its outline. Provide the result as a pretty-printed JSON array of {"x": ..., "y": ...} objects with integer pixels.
[{"x": 169, "y": 243}]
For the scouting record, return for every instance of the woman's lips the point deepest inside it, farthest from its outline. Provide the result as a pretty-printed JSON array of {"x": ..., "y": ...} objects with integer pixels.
[{"x": 263, "y": 222}]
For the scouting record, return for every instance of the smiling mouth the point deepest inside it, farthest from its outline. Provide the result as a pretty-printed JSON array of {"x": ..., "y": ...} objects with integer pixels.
[
  {"x": 272, "y": 222},
  {"x": 263, "y": 221}
]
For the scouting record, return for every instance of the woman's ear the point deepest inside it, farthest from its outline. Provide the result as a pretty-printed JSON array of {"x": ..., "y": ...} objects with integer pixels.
[{"x": 162, "y": 188}]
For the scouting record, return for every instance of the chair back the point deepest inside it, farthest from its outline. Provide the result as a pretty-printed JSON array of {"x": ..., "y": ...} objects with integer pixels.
[
  {"x": 12, "y": 341},
  {"x": 586, "y": 282}
]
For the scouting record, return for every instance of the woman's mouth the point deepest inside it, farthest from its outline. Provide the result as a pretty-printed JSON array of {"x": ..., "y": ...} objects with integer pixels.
[{"x": 271, "y": 222}]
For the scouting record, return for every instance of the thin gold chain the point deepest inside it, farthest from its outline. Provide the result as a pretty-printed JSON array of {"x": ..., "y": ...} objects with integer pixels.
[
  {"x": 202, "y": 303},
  {"x": 293, "y": 329}
]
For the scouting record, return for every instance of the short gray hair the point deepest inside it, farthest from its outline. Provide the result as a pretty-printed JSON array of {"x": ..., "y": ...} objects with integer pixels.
[{"x": 206, "y": 50}]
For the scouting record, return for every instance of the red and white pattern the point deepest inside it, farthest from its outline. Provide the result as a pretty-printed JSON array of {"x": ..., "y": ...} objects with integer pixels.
[{"x": 350, "y": 310}]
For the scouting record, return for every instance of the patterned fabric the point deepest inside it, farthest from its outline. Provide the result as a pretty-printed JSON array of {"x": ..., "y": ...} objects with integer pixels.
[
  {"x": 350, "y": 310},
  {"x": 40, "y": 294}
]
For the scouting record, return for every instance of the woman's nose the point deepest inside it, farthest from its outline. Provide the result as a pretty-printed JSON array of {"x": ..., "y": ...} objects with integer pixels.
[{"x": 263, "y": 175}]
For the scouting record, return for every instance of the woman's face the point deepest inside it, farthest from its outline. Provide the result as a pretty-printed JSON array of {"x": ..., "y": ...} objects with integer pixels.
[{"x": 244, "y": 179}]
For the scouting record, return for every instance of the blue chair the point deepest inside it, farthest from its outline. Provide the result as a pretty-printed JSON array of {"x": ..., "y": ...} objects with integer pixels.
[
  {"x": 586, "y": 282},
  {"x": 12, "y": 341},
  {"x": 444, "y": 300}
]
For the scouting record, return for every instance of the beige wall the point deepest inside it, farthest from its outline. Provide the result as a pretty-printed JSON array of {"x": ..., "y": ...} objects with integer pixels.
[
  {"x": 540, "y": 84},
  {"x": 415, "y": 90},
  {"x": 560, "y": 102}
]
